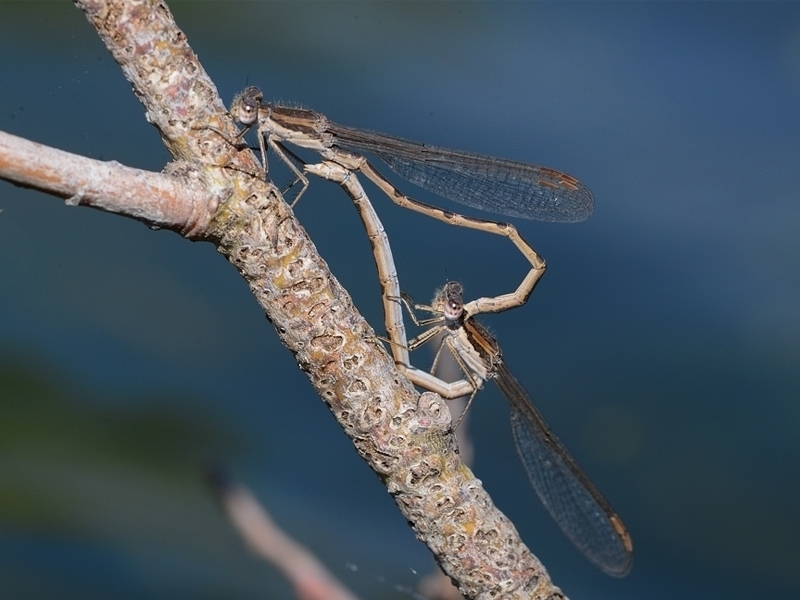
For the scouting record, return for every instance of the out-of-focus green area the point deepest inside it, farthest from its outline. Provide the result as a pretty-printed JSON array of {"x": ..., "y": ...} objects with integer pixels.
[
  {"x": 97, "y": 487},
  {"x": 64, "y": 448}
]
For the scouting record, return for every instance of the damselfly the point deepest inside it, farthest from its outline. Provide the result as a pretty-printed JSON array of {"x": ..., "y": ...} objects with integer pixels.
[{"x": 574, "y": 502}]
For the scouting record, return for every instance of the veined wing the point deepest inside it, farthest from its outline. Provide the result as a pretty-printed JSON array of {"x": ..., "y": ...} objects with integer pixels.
[
  {"x": 570, "y": 497},
  {"x": 487, "y": 183}
]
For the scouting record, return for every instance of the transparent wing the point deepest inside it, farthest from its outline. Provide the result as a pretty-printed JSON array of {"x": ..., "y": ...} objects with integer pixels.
[
  {"x": 492, "y": 184},
  {"x": 570, "y": 497}
]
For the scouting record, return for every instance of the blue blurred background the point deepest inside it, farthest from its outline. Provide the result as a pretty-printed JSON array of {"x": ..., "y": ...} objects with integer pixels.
[{"x": 663, "y": 344}]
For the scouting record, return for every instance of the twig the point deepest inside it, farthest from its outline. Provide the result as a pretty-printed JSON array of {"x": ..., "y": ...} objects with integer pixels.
[
  {"x": 310, "y": 578},
  {"x": 159, "y": 200}
]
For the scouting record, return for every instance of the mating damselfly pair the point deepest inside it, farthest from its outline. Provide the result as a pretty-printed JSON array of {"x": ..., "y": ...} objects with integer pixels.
[{"x": 486, "y": 183}]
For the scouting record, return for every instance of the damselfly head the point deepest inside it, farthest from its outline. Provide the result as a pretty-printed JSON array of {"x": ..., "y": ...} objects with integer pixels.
[
  {"x": 244, "y": 107},
  {"x": 449, "y": 301}
]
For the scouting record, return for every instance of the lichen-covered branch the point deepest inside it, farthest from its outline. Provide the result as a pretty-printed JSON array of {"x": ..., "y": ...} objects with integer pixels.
[{"x": 405, "y": 438}]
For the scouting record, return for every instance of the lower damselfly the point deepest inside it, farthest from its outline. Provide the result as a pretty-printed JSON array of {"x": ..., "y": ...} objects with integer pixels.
[{"x": 574, "y": 502}]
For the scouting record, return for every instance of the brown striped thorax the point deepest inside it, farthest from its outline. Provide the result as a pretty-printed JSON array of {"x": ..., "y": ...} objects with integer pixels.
[{"x": 298, "y": 126}]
